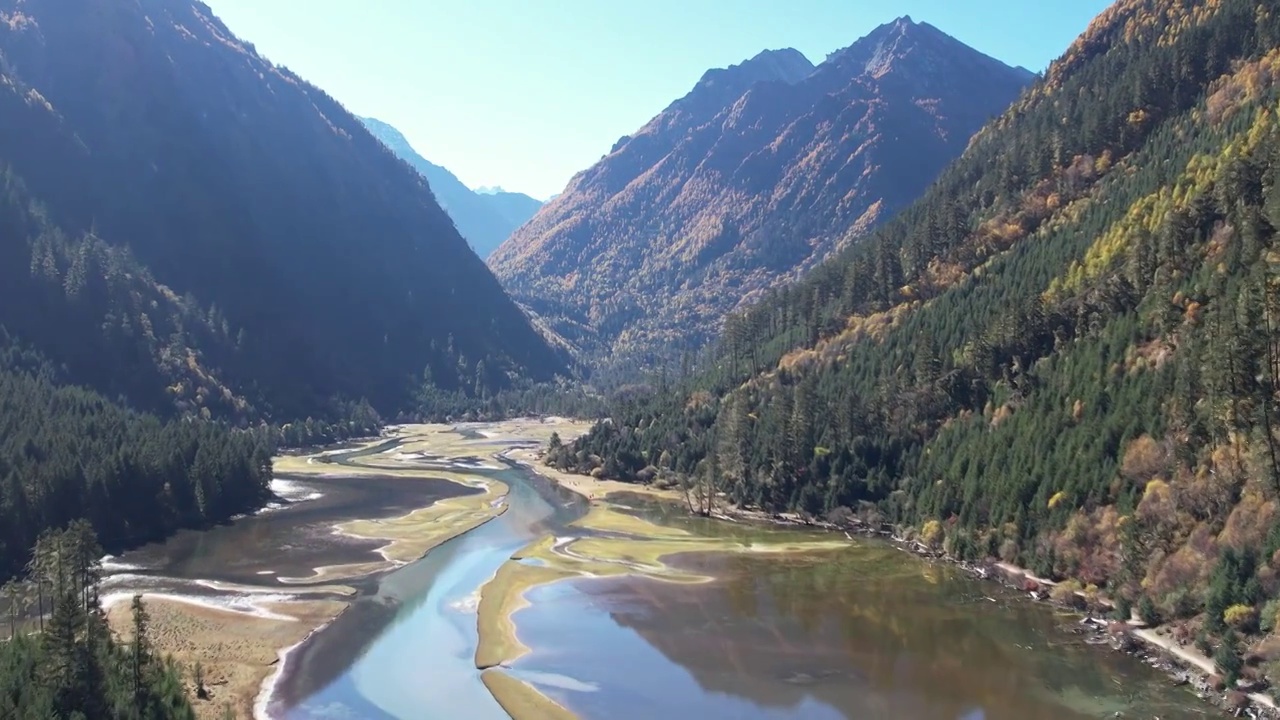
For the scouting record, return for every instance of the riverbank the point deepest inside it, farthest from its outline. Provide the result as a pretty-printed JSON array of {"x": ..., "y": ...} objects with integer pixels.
[
  {"x": 1182, "y": 662},
  {"x": 243, "y": 633},
  {"x": 1185, "y": 665},
  {"x": 607, "y": 542},
  {"x": 237, "y": 650}
]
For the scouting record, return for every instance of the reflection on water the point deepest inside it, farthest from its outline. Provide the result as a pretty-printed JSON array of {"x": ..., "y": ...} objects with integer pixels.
[
  {"x": 407, "y": 649},
  {"x": 867, "y": 632}
]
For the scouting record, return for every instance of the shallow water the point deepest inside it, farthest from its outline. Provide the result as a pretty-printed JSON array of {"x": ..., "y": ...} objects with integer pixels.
[
  {"x": 864, "y": 632},
  {"x": 407, "y": 650},
  {"x": 867, "y": 632},
  {"x": 288, "y": 539}
]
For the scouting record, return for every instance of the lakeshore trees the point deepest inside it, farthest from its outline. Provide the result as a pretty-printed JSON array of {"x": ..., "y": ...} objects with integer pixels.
[
  {"x": 74, "y": 668},
  {"x": 1065, "y": 355},
  {"x": 66, "y": 453}
]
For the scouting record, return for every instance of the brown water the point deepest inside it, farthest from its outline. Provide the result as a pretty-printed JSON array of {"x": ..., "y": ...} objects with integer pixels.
[
  {"x": 864, "y": 632},
  {"x": 289, "y": 538}
]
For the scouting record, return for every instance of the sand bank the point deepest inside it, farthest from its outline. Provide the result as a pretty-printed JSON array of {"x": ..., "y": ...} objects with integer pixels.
[
  {"x": 634, "y": 546},
  {"x": 241, "y": 635},
  {"x": 237, "y": 650},
  {"x": 612, "y": 543},
  {"x": 522, "y": 700}
]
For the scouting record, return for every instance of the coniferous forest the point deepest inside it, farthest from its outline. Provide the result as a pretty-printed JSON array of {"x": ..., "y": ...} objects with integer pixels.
[
  {"x": 168, "y": 303},
  {"x": 200, "y": 232},
  {"x": 67, "y": 453},
  {"x": 74, "y": 668},
  {"x": 202, "y": 257},
  {"x": 1065, "y": 356}
]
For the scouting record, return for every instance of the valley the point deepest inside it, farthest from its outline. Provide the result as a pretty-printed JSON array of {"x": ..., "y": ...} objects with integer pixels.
[
  {"x": 530, "y": 593},
  {"x": 831, "y": 315}
]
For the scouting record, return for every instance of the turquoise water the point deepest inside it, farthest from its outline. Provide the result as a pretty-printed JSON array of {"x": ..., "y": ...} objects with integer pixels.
[
  {"x": 867, "y": 632},
  {"x": 408, "y": 649}
]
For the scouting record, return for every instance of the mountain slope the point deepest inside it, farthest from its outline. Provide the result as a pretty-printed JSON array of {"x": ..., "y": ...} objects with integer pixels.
[
  {"x": 1066, "y": 355},
  {"x": 225, "y": 237},
  {"x": 756, "y": 174},
  {"x": 485, "y": 219}
]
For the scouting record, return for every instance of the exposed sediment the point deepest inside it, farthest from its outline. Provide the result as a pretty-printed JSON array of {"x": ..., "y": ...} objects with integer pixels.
[
  {"x": 241, "y": 633},
  {"x": 521, "y": 700},
  {"x": 606, "y": 542}
]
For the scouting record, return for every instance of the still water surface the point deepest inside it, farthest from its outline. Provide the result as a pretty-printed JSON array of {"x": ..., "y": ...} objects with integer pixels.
[{"x": 867, "y": 632}]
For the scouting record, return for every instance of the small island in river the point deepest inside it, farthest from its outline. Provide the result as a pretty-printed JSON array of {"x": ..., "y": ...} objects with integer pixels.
[
  {"x": 239, "y": 623},
  {"x": 327, "y": 602}
]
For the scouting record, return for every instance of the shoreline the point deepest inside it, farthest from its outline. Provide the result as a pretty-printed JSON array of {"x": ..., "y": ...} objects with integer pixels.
[
  {"x": 519, "y": 699},
  {"x": 612, "y": 543},
  {"x": 266, "y": 688},
  {"x": 245, "y": 635},
  {"x": 442, "y": 521},
  {"x": 238, "y": 650},
  {"x": 1182, "y": 665}
]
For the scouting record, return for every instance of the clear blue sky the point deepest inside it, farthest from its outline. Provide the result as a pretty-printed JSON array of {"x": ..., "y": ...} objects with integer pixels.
[{"x": 524, "y": 93}]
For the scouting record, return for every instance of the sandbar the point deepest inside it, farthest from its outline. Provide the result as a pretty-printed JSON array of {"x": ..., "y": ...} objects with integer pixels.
[
  {"x": 500, "y": 599},
  {"x": 241, "y": 636},
  {"x": 237, "y": 651},
  {"x": 522, "y": 700},
  {"x": 637, "y": 547}
]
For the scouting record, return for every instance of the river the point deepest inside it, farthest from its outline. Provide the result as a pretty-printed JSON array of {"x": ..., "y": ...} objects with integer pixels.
[
  {"x": 861, "y": 632},
  {"x": 407, "y": 650}
]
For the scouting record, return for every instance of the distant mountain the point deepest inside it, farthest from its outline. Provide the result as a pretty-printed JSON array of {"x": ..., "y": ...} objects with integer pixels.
[
  {"x": 191, "y": 230},
  {"x": 485, "y": 218},
  {"x": 761, "y": 170},
  {"x": 1065, "y": 356}
]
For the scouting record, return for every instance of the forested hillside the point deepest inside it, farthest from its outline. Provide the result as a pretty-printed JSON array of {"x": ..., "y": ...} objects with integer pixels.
[
  {"x": 67, "y": 453},
  {"x": 75, "y": 668},
  {"x": 192, "y": 228},
  {"x": 762, "y": 170},
  {"x": 1066, "y": 355},
  {"x": 485, "y": 219},
  {"x": 201, "y": 255}
]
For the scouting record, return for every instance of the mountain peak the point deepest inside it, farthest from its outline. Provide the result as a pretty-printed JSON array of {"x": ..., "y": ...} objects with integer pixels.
[
  {"x": 721, "y": 86},
  {"x": 788, "y": 65},
  {"x": 913, "y": 48},
  {"x": 484, "y": 217},
  {"x": 383, "y": 128},
  {"x": 761, "y": 172}
]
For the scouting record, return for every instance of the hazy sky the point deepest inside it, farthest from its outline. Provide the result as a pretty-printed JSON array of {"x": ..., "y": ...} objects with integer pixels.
[{"x": 524, "y": 93}]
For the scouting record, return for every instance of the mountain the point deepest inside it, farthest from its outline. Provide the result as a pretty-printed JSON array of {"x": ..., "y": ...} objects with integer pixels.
[
  {"x": 759, "y": 172},
  {"x": 485, "y": 217},
  {"x": 194, "y": 228},
  {"x": 1065, "y": 355}
]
